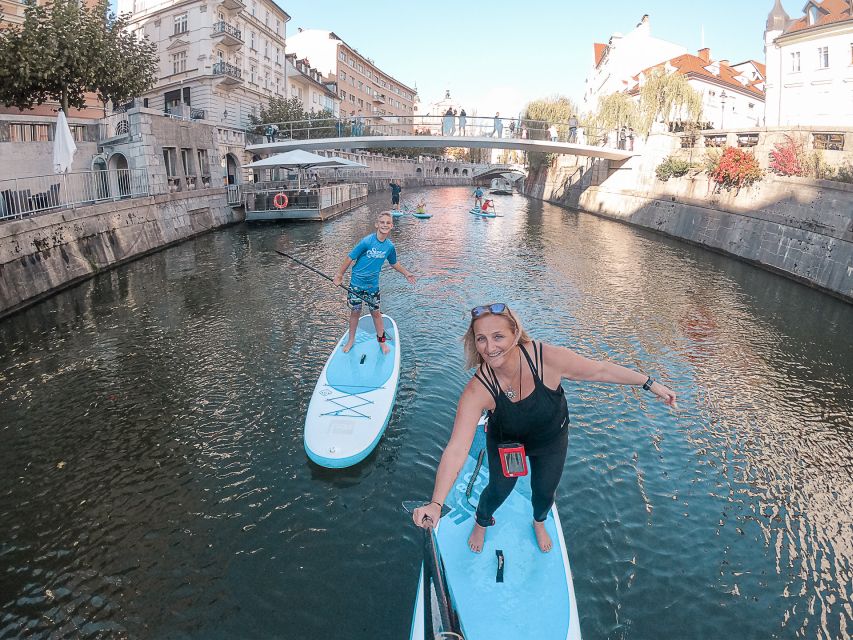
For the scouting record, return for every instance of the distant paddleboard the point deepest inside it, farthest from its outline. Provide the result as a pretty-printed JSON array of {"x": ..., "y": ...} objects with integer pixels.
[
  {"x": 352, "y": 401},
  {"x": 483, "y": 214},
  {"x": 422, "y": 215},
  {"x": 396, "y": 213},
  {"x": 524, "y": 593}
]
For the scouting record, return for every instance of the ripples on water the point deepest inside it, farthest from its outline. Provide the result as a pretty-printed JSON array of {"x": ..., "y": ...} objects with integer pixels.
[{"x": 153, "y": 482}]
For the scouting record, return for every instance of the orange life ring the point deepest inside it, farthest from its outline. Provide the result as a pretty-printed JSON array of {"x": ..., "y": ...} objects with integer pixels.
[{"x": 280, "y": 201}]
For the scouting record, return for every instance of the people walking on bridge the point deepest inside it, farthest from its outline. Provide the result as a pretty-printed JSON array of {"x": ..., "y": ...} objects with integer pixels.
[
  {"x": 524, "y": 132},
  {"x": 478, "y": 198},
  {"x": 623, "y": 136},
  {"x": 552, "y": 132},
  {"x": 447, "y": 122},
  {"x": 512, "y": 128},
  {"x": 630, "y": 138},
  {"x": 463, "y": 122},
  {"x": 395, "y": 195},
  {"x": 573, "y": 129},
  {"x": 453, "y": 124},
  {"x": 271, "y": 132},
  {"x": 498, "y": 131}
]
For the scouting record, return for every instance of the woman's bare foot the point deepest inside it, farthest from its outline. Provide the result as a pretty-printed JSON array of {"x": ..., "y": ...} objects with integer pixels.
[
  {"x": 542, "y": 537},
  {"x": 347, "y": 346},
  {"x": 476, "y": 539}
]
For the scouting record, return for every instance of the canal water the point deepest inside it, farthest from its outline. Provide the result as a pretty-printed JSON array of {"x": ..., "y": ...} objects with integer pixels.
[{"x": 153, "y": 482}]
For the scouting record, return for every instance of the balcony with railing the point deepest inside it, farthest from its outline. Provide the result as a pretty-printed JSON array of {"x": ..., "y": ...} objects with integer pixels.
[
  {"x": 227, "y": 34},
  {"x": 228, "y": 73}
]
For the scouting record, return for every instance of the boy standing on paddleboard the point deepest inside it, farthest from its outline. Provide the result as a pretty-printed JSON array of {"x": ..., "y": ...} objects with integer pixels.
[{"x": 368, "y": 256}]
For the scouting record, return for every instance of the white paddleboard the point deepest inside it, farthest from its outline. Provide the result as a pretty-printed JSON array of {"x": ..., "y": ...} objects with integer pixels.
[
  {"x": 352, "y": 401},
  {"x": 536, "y": 598}
]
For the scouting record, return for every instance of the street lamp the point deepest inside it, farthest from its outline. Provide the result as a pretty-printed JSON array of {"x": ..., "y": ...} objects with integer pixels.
[{"x": 723, "y": 97}]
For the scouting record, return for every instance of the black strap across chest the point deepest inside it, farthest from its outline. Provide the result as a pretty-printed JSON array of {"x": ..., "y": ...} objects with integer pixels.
[{"x": 489, "y": 379}]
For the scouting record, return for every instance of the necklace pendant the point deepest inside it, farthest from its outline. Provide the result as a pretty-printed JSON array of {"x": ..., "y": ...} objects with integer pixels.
[{"x": 510, "y": 393}]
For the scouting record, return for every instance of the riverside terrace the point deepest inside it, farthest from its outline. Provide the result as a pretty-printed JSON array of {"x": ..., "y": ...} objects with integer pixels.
[{"x": 439, "y": 132}]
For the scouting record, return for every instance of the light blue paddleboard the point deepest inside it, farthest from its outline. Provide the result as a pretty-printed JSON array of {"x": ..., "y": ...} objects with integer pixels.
[
  {"x": 354, "y": 396},
  {"x": 397, "y": 214},
  {"x": 536, "y": 598},
  {"x": 479, "y": 212},
  {"x": 422, "y": 215}
]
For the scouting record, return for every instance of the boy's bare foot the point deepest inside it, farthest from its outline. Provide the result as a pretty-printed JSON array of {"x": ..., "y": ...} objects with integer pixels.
[
  {"x": 476, "y": 539},
  {"x": 542, "y": 537},
  {"x": 348, "y": 346},
  {"x": 385, "y": 348}
]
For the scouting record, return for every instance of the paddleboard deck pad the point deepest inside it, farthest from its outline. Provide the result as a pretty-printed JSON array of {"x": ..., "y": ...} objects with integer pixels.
[
  {"x": 531, "y": 595},
  {"x": 479, "y": 212},
  {"x": 354, "y": 396}
]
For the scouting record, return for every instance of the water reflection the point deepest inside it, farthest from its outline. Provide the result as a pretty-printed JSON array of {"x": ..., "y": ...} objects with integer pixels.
[{"x": 154, "y": 482}]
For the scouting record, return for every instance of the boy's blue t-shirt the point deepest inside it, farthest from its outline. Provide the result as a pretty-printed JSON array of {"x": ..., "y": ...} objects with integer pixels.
[
  {"x": 478, "y": 192},
  {"x": 396, "y": 189},
  {"x": 369, "y": 255}
]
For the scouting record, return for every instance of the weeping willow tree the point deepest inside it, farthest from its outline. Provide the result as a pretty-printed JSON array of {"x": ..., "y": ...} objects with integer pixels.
[
  {"x": 667, "y": 98},
  {"x": 540, "y": 114},
  {"x": 614, "y": 111},
  {"x": 544, "y": 112}
]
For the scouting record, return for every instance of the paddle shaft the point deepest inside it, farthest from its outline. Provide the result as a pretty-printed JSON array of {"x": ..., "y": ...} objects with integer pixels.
[
  {"x": 329, "y": 278},
  {"x": 433, "y": 570}
]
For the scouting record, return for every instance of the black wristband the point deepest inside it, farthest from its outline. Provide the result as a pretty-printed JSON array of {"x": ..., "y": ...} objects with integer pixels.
[
  {"x": 647, "y": 385},
  {"x": 440, "y": 506}
]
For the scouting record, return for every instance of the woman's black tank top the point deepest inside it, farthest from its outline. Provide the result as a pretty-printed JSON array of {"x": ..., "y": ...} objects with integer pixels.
[{"x": 534, "y": 421}]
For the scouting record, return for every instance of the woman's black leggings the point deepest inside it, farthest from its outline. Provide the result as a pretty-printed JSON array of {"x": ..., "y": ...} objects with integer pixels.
[{"x": 546, "y": 468}]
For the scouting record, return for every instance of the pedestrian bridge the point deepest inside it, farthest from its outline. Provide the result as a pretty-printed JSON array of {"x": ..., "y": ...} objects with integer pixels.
[
  {"x": 439, "y": 142},
  {"x": 433, "y": 132}
]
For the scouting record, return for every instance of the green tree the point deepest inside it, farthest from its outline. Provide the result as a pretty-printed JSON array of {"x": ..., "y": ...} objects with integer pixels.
[
  {"x": 667, "y": 98},
  {"x": 63, "y": 51},
  {"x": 137, "y": 71},
  {"x": 305, "y": 124},
  {"x": 614, "y": 111},
  {"x": 542, "y": 113}
]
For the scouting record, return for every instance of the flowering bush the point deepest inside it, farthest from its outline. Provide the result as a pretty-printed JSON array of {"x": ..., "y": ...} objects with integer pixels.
[
  {"x": 787, "y": 158},
  {"x": 736, "y": 169}
]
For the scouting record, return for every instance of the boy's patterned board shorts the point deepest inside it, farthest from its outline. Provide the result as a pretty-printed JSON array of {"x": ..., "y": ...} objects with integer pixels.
[{"x": 357, "y": 297}]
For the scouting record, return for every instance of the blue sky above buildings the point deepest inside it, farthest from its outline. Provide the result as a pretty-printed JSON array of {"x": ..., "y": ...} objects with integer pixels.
[{"x": 497, "y": 55}]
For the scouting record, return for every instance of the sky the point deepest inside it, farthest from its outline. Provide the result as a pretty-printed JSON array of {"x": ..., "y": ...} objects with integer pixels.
[{"x": 499, "y": 55}]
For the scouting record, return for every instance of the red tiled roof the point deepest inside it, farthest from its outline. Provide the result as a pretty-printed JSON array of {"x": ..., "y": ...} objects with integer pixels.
[
  {"x": 836, "y": 11},
  {"x": 599, "y": 51},
  {"x": 690, "y": 65}
]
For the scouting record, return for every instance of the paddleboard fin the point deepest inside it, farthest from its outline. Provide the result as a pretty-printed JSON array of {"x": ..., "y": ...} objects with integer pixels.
[{"x": 499, "y": 576}]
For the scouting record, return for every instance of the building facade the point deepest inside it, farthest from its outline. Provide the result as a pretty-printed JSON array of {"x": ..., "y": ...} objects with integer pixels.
[
  {"x": 732, "y": 95},
  {"x": 308, "y": 84},
  {"x": 810, "y": 65},
  {"x": 616, "y": 63},
  {"x": 220, "y": 60},
  {"x": 363, "y": 88}
]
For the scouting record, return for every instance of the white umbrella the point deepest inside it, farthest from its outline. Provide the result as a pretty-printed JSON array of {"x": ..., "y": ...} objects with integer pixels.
[
  {"x": 296, "y": 159},
  {"x": 343, "y": 163},
  {"x": 63, "y": 145}
]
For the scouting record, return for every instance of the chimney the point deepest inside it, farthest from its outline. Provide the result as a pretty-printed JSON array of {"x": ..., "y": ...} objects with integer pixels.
[
  {"x": 705, "y": 54},
  {"x": 724, "y": 63}
]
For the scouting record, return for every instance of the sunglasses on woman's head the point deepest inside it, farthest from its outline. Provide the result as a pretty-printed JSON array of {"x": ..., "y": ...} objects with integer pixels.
[{"x": 498, "y": 307}]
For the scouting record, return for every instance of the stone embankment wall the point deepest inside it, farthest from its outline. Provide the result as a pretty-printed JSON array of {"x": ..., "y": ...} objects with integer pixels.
[
  {"x": 798, "y": 227},
  {"x": 44, "y": 254}
]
